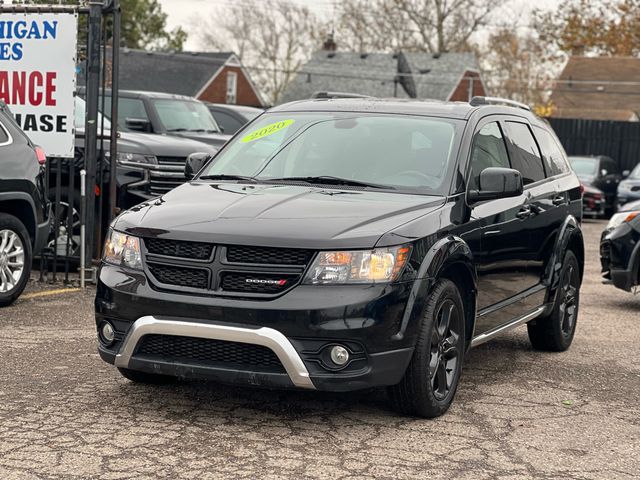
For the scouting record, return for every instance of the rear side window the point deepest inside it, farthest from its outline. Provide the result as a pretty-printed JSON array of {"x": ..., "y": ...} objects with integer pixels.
[
  {"x": 527, "y": 158},
  {"x": 226, "y": 121},
  {"x": 4, "y": 136},
  {"x": 554, "y": 158},
  {"x": 489, "y": 150}
]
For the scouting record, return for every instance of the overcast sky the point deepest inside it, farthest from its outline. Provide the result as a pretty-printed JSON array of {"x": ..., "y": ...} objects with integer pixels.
[{"x": 183, "y": 12}]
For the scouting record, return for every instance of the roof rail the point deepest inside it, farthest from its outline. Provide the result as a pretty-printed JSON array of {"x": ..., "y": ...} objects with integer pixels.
[
  {"x": 338, "y": 95},
  {"x": 477, "y": 101}
]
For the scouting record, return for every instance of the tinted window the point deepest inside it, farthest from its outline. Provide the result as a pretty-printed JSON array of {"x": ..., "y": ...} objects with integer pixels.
[
  {"x": 527, "y": 156},
  {"x": 389, "y": 150},
  {"x": 4, "y": 136},
  {"x": 226, "y": 121},
  {"x": 554, "y": 157},
  {"x": 127, "y": 108},
  {"x": 489, "y": 150}
]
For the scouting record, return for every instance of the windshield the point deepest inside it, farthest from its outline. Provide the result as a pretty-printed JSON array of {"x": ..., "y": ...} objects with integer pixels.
[
  {"x": 635, "y": 173},
  {"x": 81, "y": 115},
  {"x": 383, "y": 150},
  {"x": 584, "y": 166},
  {"x": 185, "y": 116}
]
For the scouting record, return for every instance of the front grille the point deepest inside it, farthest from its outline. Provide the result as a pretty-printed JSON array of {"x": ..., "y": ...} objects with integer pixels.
[
  {"x": 168, "y": 175},
  {"x": 268, "y": 255},
  {"x": 256, "y": 283},
  {"x": 179, "y": 248},
  {"x": 181, "y": 276},
  {"x": 214, "y": 352}
]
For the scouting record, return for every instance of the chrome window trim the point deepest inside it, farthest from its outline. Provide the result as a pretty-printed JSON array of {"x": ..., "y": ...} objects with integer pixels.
[{"x": 267, "y": 337}]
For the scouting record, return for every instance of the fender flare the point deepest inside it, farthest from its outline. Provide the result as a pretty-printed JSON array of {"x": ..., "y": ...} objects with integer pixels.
[
  {"x": 442, "y": 254},
  {"x": 570, "y": 229}
]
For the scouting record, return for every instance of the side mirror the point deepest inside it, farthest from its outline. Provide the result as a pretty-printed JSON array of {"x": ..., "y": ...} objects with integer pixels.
[
  {"x": 194, "y": 164},
  {"x": 138, "y": 124},
  {"x": 626, "y": 173},
  {"x": 495, "y": 183}
]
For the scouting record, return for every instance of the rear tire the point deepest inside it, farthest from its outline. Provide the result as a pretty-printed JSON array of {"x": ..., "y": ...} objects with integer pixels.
[
  {"x": 431, "y": 379},
  {"x": 15, "y": 258},
  {"x": 554, "y": 333},
  {"x": 144, "y": 377}
]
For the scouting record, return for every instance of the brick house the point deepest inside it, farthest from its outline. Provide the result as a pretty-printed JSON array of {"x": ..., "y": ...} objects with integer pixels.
[
  {"x": 446, "y": 76},
  {"x": 217, "y": 77}
]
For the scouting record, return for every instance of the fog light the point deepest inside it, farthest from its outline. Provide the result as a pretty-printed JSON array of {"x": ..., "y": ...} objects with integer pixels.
[
  {"x": 339, "y": 355},
  {"x": 108, "y": 334}
]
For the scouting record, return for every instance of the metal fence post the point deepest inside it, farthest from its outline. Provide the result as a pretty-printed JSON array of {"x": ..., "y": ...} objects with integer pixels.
[
  {"x": 83, "y": 211},
  {"x": 91, "y": 127}
]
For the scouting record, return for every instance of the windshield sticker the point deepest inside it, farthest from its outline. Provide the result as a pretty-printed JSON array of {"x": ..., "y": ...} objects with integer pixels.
[{"x": 266, "y": 131}]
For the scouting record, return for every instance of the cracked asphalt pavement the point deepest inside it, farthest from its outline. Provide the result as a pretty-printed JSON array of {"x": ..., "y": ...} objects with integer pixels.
[{"x": 518, "y": 413}]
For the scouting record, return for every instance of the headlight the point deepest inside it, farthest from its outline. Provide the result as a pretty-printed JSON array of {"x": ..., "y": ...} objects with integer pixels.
[
  {"x": 620, "y": 218},
  {"x": 122, "y": 249},
  {"x": 363, "y": 266},
  {"x": 135, "y": 159}
]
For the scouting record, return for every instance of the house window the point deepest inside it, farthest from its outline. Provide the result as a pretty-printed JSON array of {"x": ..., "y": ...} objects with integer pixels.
[{"x": 232, "y": 87}]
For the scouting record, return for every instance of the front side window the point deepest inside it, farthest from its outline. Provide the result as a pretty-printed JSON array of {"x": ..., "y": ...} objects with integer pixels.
[
  {"x": 489, "y": 150},
  {"x": 527, "y": 158},
  {"x": 391, "y": 151},
  {"x": 185, "y": 116},
  {"x": 554, "y": 157}
]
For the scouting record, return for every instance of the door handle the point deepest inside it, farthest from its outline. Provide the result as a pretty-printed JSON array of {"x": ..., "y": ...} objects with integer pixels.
[
  {"x": 558, "y": 200},
  {"x": 525, "y": 212}
]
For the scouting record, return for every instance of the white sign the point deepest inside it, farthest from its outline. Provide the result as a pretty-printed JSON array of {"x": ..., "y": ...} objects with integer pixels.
[{"x": 38, "y": 77}]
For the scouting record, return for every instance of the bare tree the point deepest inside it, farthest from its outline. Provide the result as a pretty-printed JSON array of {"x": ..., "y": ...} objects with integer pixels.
[
  {"x": 273, "y": 38},
  {"x": 516, "y": 66},
  {"x": 435, "y": 26}
]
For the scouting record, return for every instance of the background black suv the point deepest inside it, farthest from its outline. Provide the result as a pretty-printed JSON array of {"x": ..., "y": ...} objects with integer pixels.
[
  {"x": 24, "y": 209},
  {"x": 346, "y": 244}
]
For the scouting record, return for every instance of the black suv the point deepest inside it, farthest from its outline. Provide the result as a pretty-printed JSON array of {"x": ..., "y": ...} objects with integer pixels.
[
  {"x": 620, "y": 248},
  {"x": 166, "y": 114},
  {"x": 350, "y": 243},
  {"x": 24, "y": 209},
  {"x": 600, "y": 176}
]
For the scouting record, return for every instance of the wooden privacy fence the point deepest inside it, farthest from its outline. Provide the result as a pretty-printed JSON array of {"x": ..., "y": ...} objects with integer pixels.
[{"x": 618, "y": 140}]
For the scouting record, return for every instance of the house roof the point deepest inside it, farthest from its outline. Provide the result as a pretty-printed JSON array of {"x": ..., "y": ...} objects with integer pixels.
[
  {"x": 436, "y": 76},
  {"x": 369, "y": 74},
  {"x": 585, "y": 91},
  {"x": 419, "y": 75},
  {"x": 180, "y": 73}
]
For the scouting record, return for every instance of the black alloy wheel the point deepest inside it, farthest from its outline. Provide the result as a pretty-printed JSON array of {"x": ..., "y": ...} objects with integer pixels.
[
  {"x": 429, "y": 384},
  {"x": 554, "y": 332},
  {"x": 445, "y": 354}
]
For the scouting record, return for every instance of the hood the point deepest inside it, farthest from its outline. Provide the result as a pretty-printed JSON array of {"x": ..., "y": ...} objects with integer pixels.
[
  {"x": 275, "y": 215},
  {"x": 161, "y": 145},
  {"x": 215, "y": 139},
  {"x": 630, "y": 207},
  {"x": 151, "y": 144}
]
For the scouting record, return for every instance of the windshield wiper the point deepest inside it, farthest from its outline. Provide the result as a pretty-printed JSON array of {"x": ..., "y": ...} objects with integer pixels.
[
  {"x": 228, "y": 177},
  {"x": 329, "y": 180},
  {"x": 177, "y": 130}
]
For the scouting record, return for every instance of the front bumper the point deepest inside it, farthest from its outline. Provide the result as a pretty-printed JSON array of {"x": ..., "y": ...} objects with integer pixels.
[
  {"x": 373, "y": 322},
  {"x": 620, "y": 256}
]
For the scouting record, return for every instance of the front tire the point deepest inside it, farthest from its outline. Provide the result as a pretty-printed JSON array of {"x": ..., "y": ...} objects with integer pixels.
[
  {"x": 555, "y": 332},
  {"x": 431, "y": 379},
  {"x": 15, "y": 258}
]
